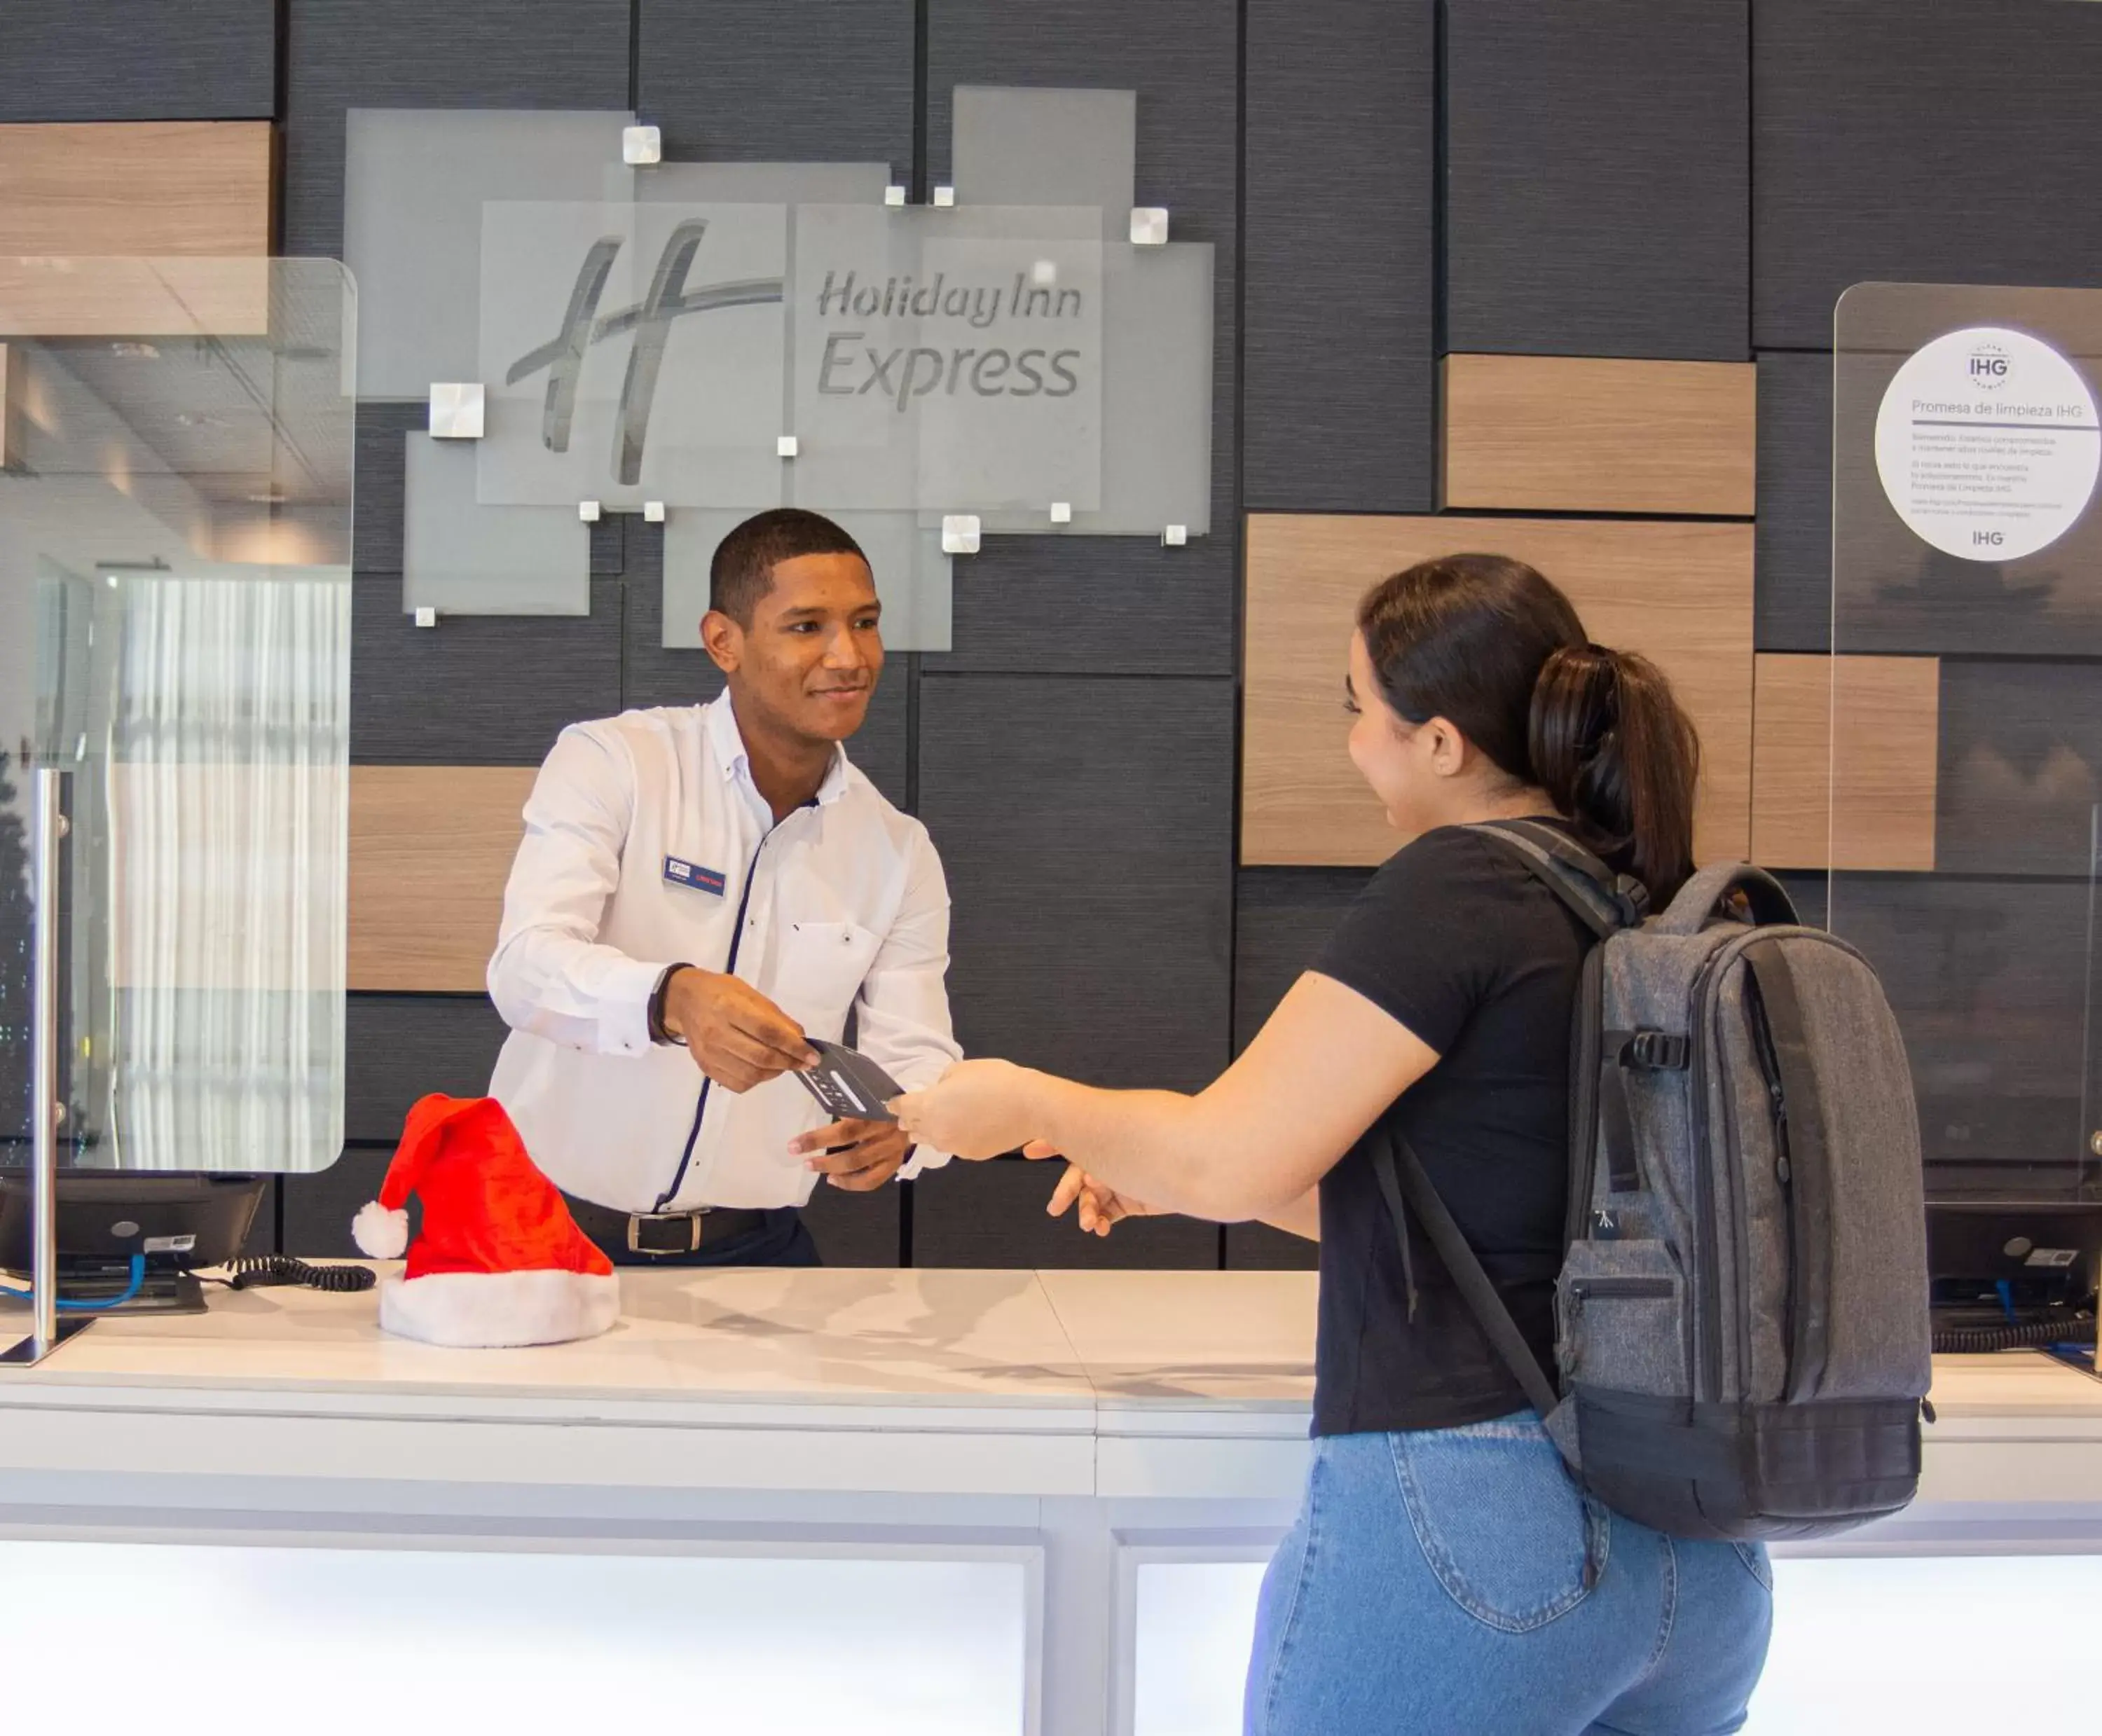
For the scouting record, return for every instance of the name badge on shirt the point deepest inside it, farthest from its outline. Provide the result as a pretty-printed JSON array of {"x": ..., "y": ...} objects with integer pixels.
[{"x": 692, "y": 874}]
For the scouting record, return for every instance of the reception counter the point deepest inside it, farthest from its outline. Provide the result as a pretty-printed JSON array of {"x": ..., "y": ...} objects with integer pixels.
[{"x": 1083, "y": 1438}]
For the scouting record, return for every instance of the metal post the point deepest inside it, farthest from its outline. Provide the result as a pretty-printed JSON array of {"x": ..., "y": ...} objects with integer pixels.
[{"x": 47, "y": 826}]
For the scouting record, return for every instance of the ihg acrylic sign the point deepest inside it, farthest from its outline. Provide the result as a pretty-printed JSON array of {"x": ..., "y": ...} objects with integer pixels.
[{"x": 946, "y": 360}]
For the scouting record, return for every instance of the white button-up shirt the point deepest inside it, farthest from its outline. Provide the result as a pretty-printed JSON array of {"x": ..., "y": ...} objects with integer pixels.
[{"x": 648, "y": 844}]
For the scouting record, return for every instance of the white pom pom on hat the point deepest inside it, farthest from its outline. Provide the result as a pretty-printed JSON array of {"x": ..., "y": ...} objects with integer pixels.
[{"x": 380, "y": 1234}]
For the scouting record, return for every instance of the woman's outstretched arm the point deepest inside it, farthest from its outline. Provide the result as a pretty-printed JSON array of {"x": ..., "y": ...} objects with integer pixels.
[{"x": 1251, "y": 1144}]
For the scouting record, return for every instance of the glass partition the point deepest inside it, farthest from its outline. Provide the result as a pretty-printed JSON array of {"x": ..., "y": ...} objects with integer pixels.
[
  {"x": 1966, "y": 712},
  {"x": 174, "y": 641}
]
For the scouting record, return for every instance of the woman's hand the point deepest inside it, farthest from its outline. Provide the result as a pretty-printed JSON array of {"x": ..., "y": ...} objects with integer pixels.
[
  {"x": 1100, "y": 1207},
  {"x": 978, "y": 1109}
]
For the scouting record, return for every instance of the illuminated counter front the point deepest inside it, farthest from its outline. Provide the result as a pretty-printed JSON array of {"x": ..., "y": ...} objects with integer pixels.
[{"x": 825, "y": 1499}]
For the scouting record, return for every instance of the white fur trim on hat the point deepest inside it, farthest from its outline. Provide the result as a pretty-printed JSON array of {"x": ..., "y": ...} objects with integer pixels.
[
  {"x": 492, "y": 1310},
  {"x": 380, "y": 1234}
]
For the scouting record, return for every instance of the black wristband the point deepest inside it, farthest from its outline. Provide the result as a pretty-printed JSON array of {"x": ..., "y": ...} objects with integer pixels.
[{"x": 657, "y": 1034}]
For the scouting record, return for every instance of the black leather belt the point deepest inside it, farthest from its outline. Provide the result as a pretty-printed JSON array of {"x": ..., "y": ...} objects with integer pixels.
[{"x": 663, "y": 1233}]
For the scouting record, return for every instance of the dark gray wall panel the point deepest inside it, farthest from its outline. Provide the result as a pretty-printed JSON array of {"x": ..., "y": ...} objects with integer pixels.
[
  {"x": 652, "y": 676},
  {"x": 1792, "y": 543},
  {"x": 475, "y": 690},
  {"x": 399, "y": 1047},
  {"x": 854, "y": 1230},
  {"x": 2021, "y": 767},
  {"x": 1097, "y": 605},
  {"x": 1283, "y": 917},
  {"x": 1946, "y": 144},
  {"x": 1113, "y": 604},
  {"x": 1086, "y": 824},
  {"x": 137, "y": 60},
  {"x": 1596, "y": 168},
  {"x": 1807, "y": 891},
  {"x": 318, "y": 1208},
  {"x": 377, "y": 497},
  {"x": 404, "y": 54},
  {"x": 1339, "y": 247},
  {"x": 778, "y": 80},
  {"x": 1257, "y": 1247},
  {"x": 1988, "y": 979},
  {"x": 992, "y": 1215}
]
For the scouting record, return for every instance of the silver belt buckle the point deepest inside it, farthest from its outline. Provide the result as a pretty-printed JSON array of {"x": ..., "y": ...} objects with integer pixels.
[{"x": 691, "y": 1220}]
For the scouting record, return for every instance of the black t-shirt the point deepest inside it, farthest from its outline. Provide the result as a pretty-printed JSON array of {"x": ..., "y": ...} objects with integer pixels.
[{"x": 1460, "y": 943}]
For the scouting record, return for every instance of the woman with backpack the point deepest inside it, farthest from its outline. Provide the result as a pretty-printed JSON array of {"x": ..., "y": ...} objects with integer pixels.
[{"x": 1445, "y": 1574}]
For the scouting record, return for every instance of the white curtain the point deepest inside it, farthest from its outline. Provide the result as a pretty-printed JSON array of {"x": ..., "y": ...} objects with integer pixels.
[{"x": 227, "y": 811}]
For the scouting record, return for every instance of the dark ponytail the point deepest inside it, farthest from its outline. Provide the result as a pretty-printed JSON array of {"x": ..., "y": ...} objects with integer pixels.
[{"x": 1486, "y": 643}]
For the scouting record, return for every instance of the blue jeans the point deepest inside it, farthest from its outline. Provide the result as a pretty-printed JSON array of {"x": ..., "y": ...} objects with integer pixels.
[{"x": 1436, "y": 1582}]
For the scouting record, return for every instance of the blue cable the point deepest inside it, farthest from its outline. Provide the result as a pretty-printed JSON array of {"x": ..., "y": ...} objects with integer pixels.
[{"x": 138, "y": 1283}]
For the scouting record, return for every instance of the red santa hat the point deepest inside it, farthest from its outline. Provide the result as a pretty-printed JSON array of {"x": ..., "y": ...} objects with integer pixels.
[{"x": 499, "y": 1260}]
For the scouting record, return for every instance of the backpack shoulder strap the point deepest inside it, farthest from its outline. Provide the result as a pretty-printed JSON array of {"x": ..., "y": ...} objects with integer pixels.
[
  {"x": 1402, "y": 1176},
  {"x": 1603, "y": 901}
]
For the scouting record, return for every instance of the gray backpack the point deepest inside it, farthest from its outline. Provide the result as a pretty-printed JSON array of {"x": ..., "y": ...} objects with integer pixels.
[{"x": 1741, "y": 1315}]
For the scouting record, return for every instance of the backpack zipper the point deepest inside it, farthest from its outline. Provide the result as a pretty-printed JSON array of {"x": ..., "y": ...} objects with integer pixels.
[
  {"x": 1706, "y": 1327},
  {"x": 1584, "y": 1289}
]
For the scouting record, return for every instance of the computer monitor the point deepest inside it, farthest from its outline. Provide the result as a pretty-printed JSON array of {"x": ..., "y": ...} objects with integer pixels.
[{"x": 177, "y": 1223}]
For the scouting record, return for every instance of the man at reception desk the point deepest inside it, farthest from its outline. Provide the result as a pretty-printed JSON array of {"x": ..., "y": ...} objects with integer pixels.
[{"x": 700, "y": 890}]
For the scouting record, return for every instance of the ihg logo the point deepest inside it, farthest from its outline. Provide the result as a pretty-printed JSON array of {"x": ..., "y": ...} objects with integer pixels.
[{"x": 1988, "y": 366}]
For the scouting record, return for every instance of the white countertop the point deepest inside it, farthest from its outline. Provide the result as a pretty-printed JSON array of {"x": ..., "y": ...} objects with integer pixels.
[{"x": 1158, "y": 1384}]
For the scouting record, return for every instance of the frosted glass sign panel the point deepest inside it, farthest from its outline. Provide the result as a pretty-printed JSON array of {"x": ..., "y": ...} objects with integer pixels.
[
  {"x": 632, "y": 354},
  {"x": 174, "y": 641},
  {"x": 1047, "y": 146},
  {"x": 414, "y": 183},
  {"x": 913, "y": 574},
  {"x": 947, "y": 360},
  {"x": 714, "y": 338},
  {"x": 1156, "y": 458},
  {"x": 457, "y": 560}
]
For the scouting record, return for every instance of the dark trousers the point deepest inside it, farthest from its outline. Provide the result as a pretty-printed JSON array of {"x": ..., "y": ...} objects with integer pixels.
[{"x": 782, "y": 1240}]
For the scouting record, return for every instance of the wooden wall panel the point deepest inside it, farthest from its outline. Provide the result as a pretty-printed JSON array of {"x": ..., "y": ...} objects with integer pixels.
[
  {"x": 430, "y": 847},
  {"x": 197, "y": 191},
  {"x": 1888, "y": 712},
  {"x": 1680, "y": 592},
  {"x": 150, "y": 188},
  {"x": 11, "y": 406},
  {"x": 1593, "y": 434}
]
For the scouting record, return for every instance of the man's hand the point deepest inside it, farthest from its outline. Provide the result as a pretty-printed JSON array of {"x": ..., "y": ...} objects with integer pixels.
[
  {"x": 859, "y": 1156},
  {"x": 1100, "y": 1206},
  {"x": 738, "y": 1037}
]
